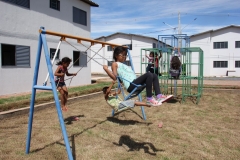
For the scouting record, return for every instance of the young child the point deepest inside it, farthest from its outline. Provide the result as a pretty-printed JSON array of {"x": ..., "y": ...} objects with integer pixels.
[
  {"x": 59, "y": 80},
  {"x": 175, "y": 64},
  {"x": 122, "y": 70},
  {"x": 150, "y": 61},
  {"x": 154, "y": 69},
  {"x": 117, "y": 104}
]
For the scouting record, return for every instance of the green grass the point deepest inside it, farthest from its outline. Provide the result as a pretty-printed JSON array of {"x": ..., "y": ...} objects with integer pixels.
[{"x": 16, "y": 102}]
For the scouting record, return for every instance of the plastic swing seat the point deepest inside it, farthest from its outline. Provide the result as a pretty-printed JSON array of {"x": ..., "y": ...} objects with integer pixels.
[{"x": 135, "y": 92}]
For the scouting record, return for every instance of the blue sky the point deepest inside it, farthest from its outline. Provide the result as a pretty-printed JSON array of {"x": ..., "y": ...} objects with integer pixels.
[{"x": 146, "y": 17}]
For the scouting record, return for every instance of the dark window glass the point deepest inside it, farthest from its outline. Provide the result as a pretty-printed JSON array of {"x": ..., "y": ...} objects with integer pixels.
[
  {"x": 109, "y": 48},
  {"x": 22, "y": 3},
  {"x": 154, "y": 45},
  {"x": 55, "y": 4},
  {"x": 237, "y": 64},
  {"x": 110, "y": 63},
  {"x": 52, "y": 53},
  {"x": 79, "y": 16},
  {"x": 219, "y": 45},
  {"x": 237, "y": 44},
  {"x": 79, "y": 58},
  {"x": 220, "y": 64},
  {"x": 8, "y": 55},
  {"x": 15, "y": 55}
]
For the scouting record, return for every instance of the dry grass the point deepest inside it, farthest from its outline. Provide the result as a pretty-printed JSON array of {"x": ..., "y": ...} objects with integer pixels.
[{"x": 209, "y": 130}]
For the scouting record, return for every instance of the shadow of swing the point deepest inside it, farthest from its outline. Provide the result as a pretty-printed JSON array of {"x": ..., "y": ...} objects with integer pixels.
[
  {"x": 126, "y": 122},
  {"x": 123, "y": 139}
]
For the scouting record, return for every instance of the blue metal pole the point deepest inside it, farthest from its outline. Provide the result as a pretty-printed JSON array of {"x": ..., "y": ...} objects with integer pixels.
[
  {"x": 139, "y": 96},
  {"x": 38, "y": 56},
  {"x": 54, "y": 89}
]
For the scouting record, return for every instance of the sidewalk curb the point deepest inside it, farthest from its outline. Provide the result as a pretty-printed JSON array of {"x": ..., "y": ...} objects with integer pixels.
[{"x": 25, "y": 110}]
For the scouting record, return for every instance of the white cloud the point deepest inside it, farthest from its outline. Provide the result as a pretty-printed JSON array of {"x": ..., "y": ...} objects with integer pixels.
[{"x": 139, "y": 17}]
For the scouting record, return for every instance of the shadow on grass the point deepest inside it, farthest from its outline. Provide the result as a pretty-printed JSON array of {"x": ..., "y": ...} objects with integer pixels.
[
  {"x": 71, "y": 136},
  {"x": 69, "y": 120},
  {"x": 136, "y": 146},
  {"x": 126, "y": 122},
  {"x": 173, "y": 100}
]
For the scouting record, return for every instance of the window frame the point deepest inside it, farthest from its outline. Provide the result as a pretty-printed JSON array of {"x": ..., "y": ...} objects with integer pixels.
[
  {"x": 110, "y": 63},
  {"x": 237, "y": 64},
  {"x": 237, "y": 44},
  {"x": 57, "y": 2},
  {"x": 154, "y": 45},
  {"x": 220, "y": 64},
  {"x": 19, "y": 53},
  {"x": 78, "y": 63},
  {"x": 110, "y": 48},
  {"x": 52, "y": 55},
  {"x": 76, "y": 18},
  {"x": 17, "y": 3},
  {"x": 220, "y": 45}
]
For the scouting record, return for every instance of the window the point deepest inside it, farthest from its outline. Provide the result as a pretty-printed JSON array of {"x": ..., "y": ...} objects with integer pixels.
[
  {"x": 218, "y": 45},
  {"x": 22, "y": 3},
  {"x": 110, "y": 63},
  {"x": 80, "y": 59},
  {"x": 154, "y": 45},
  {"x": 109, "y": 48},
  {"x": 129, "y": 46},
  {"x": 15, "y": 55},
  {"x": 237, "y": 64},
  {"x": 220, "y": 64},
  {"x": 127, "y": 63},
  {"x": 52, "y": 52},
  {"x": 55, "y": 4},
  {"x": 79, "y": 16},
  {"x": 237, "y": 44}
]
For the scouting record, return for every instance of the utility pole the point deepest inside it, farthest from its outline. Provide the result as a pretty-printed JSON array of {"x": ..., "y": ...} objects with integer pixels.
[{"x": 179, "y": 30}]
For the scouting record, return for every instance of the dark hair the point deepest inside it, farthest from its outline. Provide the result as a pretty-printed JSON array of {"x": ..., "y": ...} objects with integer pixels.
[
  {"x": 104, "y": 90},
  {"x": 151, "y": 53},
  {"x": 64, "y": 60},
  {"x": 118, "y": 50},
  {"x": 175, "y": 63}
]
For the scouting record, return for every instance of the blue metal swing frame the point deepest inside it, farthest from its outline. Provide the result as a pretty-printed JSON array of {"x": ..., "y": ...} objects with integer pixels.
[{"x": 43, "y": 43}]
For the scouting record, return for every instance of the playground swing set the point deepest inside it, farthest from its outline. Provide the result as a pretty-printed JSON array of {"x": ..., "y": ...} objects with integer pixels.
[
  {"x": 164, "y": 53},
  {"x": 42, "y": 43}
]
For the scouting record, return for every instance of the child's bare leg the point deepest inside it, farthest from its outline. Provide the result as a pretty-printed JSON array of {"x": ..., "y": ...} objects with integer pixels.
[
  {"x": 137, "y": 103},
  {"x": 65, "y": 96},
  {"x": 62, "y": 98}
]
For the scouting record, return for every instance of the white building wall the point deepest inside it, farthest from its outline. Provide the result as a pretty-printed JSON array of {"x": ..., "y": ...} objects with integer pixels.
[
  {"x": 203, "y": 41},
  {"x": 21, "y": 27},
  {"x": 230, "y": 54}
]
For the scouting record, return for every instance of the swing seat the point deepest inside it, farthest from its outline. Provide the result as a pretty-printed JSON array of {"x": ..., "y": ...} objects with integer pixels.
[
  {"x": 174, "y": 73},
  {"x": 135, "y": 92}
]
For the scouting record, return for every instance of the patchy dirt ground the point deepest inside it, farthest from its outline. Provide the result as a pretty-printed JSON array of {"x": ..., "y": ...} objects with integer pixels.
[{"x": 209, "y": 130}]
